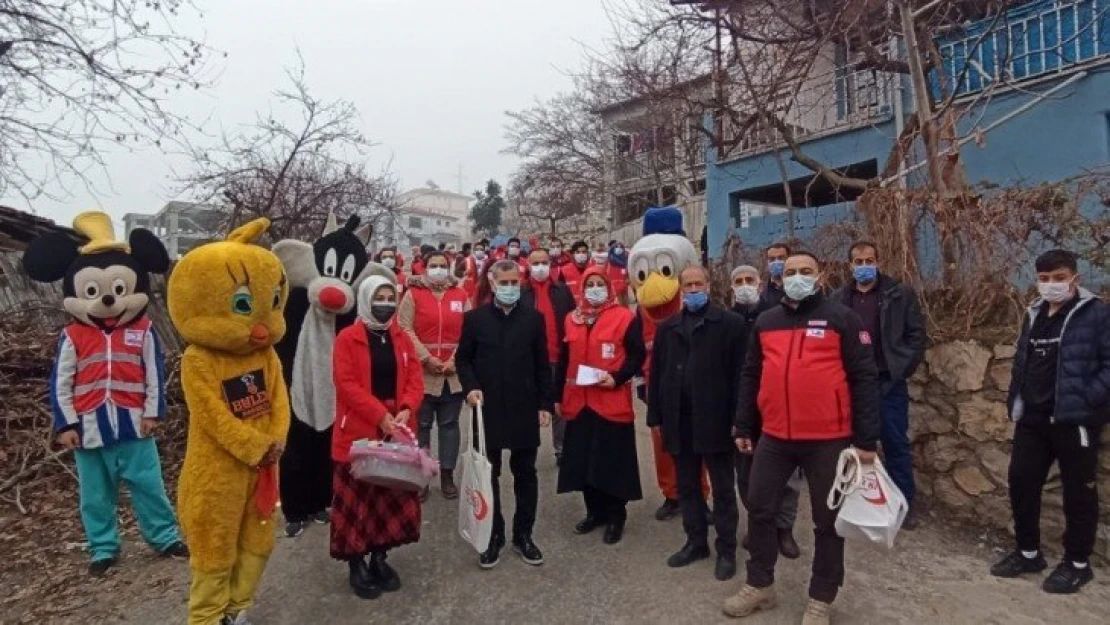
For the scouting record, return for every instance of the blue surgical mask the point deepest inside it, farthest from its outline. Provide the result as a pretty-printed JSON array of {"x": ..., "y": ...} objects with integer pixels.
[
  {"x": 508, "y": 294},
  {"x": 865, "y": 274},
  {"x": 695, "y": 300},
  {"x": 597, "y": 295},
  {"x": 799, "y": 287},
  {"x": 775, "y": 268}
]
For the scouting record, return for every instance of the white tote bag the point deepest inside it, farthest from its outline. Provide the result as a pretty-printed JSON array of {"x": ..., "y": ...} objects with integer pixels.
[
  {"x": 476, "y": 488},
  {"x": 871, "y": 506}
]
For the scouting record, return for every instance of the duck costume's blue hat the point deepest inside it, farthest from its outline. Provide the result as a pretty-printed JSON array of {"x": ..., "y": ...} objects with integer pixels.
[{"x": 663, "y": 220}]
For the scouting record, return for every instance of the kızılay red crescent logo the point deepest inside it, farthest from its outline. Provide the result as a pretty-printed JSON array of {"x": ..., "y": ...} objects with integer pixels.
[
  {"x": 873, "y": 489},
  {"x": 478, "y": 503}
]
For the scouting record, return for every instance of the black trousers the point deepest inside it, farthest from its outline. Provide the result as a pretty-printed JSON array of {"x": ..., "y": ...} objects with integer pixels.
[
  {"x": 726, "y": 516},
  {"x": 1076, "y": 449},
  {"x": 603, "y": 506},
  {"x": 526, "y": 488},
  {"x": 306, "y": 472},
  {"x": 775, "y": 461}
]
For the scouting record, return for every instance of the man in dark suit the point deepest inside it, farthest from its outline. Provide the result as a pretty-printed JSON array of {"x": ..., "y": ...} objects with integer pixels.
[
  {"x": 694, "y": 386},
  {"x": 503, "y": 365}
]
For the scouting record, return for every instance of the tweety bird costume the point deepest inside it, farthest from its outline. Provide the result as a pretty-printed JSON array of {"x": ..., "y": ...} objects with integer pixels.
[{"x": 226, "y": 299}]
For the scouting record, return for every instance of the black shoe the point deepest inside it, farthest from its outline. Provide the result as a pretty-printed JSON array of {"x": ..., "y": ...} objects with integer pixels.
[
  {"x": 726, "y": 567},
  {"x": 1067, "y": 579},
  {"x": 294, "y": 529},
  {"x": 322, "y": 517},
  {"x": 176, "y": 550},
  {"x": 1016, "y": 565},
  {"x": 613, "y": 533},
  {"x": 361, "y": 581},
  {"x": 911, "y": 521},
  {"x": 527, "y": 550},
  {"x": 787, "y": 545},
  {"x": 588, "y": 524},
  {"x": 492, "y": 555},
  {"x": 383, "y": 575},
  {"x": 668, "y": 510},
  {"x": 99, "y": 568},
  {"x": 689, "y": 554}
]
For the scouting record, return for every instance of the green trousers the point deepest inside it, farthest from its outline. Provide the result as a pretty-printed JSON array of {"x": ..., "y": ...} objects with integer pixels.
[{"x": 136, "y": 464}]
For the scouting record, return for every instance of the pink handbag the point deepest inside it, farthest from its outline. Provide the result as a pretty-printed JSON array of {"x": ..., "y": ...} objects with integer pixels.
[{"x": 397, "y": 463}]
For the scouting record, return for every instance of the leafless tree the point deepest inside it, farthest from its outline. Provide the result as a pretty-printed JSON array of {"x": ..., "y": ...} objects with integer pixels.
[
  {"x": 294, "y": 173},
  {"x": 80, "y": 77}
]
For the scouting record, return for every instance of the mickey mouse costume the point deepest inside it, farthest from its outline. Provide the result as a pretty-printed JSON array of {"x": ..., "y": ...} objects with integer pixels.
[{"x": 107, "y": 390}]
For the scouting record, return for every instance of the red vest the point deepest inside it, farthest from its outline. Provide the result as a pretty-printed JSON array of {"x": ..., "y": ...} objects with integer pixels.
[
  {"x": 109, "y": 366},
  {"x": 600, "y": 347},
  {"x": 438, "y": 322},
  {"x": 470, "y": 277}
]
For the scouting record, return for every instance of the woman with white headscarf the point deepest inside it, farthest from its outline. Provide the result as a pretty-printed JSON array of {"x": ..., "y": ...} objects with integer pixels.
[{"x": 379, "y": 386}]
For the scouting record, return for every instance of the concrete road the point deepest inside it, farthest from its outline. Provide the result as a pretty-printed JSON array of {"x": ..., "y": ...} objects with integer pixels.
[{"x": 933, "y": 576}]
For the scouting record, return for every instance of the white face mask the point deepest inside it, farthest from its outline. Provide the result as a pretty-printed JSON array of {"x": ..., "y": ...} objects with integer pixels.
[
  {"x": 601, "y": 258},
  {"x": 618, "y": 251},
  {"x": 1055, "y": 292},
  {"x": 581, "y": 258},
  {"x": 480, "y": 254},
  {"x": 514, "y": 252},
  {"x": 799, "y": 287},
  {"x": 540, "y": 272},
  {"x": 555, "y": 251},
  {"x": 597, "y": 295},
  {"x": 389, "y": 262},
  {"x": 745, "y": 294},
  {"x": 438, "y": 274}
]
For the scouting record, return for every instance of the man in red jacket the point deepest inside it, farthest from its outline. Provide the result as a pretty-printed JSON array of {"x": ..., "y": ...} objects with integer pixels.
[{"x": 812, "y": 380}]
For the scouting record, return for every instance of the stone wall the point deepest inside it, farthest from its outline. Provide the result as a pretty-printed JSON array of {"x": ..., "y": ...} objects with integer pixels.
[{"x": 961, "y": 437}]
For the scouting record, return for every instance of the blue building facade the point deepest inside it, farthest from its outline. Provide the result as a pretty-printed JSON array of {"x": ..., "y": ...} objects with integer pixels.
[{"x": 1056, "y": 46}]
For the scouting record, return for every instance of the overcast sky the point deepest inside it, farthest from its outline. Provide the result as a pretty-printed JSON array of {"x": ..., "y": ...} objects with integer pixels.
[{"x": 431, "y": 80}]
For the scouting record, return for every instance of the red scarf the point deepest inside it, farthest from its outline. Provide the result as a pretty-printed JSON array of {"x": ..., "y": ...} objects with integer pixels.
[{"x": 543, "y": 305}]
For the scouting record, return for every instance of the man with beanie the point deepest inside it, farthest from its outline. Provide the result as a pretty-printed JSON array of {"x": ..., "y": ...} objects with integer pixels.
[{"x": 747, "y": 304}]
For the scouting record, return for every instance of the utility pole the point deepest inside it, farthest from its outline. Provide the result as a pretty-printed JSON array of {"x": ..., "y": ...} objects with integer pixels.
[{"x": 459, "y": 180}]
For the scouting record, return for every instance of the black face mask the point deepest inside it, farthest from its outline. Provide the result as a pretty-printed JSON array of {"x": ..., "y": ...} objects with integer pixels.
[{"x": 382, "y": 313}]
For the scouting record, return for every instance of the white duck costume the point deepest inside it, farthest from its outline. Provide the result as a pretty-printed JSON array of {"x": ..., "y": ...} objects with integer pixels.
[{"x": 654, "y": 266}]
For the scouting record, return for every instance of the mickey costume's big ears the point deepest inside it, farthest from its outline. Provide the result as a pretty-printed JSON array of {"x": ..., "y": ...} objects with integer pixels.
[{"x": 50, "y": 256}]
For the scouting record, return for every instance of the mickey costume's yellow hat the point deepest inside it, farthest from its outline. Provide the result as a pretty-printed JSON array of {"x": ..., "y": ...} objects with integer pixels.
[{"x": 96, "y": 226}]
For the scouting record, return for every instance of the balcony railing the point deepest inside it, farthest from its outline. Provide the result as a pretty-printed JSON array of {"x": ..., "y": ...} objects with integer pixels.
[
  {"x": 1038, "y": 39},
  {"x": 824, "y": 104}
]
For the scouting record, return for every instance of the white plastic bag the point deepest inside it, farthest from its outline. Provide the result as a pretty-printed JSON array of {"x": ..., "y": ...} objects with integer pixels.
[
  {"x": 871, "y": 506},
  {"x": 476, "y": 488}
]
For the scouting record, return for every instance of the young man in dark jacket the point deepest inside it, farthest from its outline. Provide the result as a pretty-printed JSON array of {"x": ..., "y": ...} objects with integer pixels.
[
  {"x": 693, "y": 387},
  {"x": 503, "y": 365},
  {"x": 894, "y": 327},
  {"x": 746, "y": 302},
  {"x": 554, "y": 301},
  {"x": 1059, "y": 400},
  {"x": 812, "y": 382}
]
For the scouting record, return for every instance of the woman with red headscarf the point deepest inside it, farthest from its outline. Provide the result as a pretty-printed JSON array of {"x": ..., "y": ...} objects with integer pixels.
[{"x": 602, "y": 351}]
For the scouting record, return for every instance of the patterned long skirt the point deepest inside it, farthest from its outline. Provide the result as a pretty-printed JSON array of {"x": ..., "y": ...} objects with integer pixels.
[{"x": 366, "y": 518}]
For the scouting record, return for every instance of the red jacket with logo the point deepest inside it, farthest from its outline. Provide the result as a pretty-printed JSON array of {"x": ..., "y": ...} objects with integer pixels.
[
  {"x": 438, "y": 321},
  {"x": 810, "y": 375},
  {"x": 357, "y": 412},
  {"x": 613, "y": 344}
]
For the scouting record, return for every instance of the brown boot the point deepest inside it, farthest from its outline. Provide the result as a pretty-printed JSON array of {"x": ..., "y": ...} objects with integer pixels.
[
  {"x": 447, "y": 484},
  {"x": 750, "y": 600}
]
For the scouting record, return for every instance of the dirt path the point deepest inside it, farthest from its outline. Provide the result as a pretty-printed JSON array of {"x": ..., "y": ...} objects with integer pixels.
[{"x": 936, "y": 575}]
